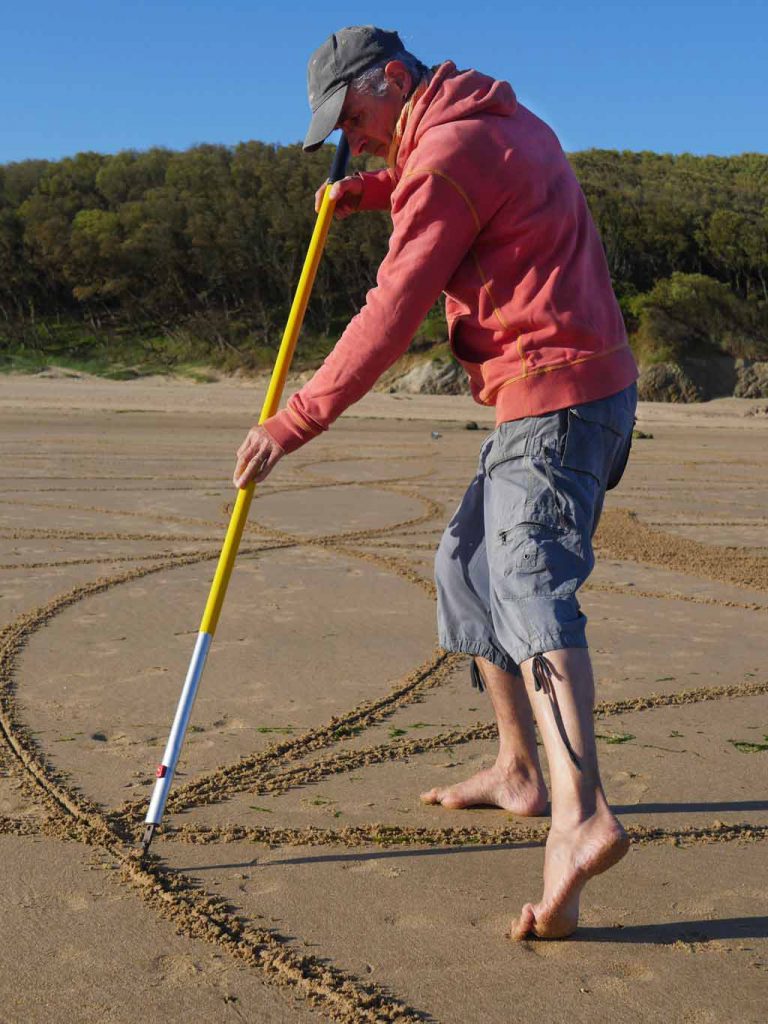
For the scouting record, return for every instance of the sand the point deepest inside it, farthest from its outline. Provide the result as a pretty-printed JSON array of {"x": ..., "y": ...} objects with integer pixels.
[{"x": 297, "y": 876}]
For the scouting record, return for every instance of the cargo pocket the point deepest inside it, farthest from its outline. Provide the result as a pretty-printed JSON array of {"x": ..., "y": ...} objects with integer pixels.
[
  {"x": 528, "y": 546},
  {"x": 538, "y": 558},
  {"x": 538, "y": 548}
]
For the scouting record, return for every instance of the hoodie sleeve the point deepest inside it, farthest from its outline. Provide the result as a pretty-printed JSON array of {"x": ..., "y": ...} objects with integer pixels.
[
  {"x": 434, "y": 226},
  {"x": 377, "y": 190}
]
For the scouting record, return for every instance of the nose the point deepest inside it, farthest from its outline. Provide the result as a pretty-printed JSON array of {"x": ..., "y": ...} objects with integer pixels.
[{"x": 357, "y": 143}]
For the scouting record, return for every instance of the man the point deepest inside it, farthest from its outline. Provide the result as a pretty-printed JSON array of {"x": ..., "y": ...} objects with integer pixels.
[{"x": 485, "y": 207}]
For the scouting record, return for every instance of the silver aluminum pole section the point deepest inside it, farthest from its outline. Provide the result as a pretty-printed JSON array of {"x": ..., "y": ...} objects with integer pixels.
[{"x": 167, "y": 767}]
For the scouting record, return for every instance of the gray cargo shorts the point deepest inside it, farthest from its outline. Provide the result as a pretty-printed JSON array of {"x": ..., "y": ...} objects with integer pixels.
[{"x": 520, "y": 544}]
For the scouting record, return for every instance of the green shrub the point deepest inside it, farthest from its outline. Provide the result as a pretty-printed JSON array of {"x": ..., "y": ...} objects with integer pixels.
[{"x": 694, "y": 315}]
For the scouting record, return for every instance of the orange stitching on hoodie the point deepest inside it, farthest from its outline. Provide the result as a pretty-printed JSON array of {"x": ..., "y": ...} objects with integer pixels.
[
  {"x": 456, "y": 185},
  {"x": 557, "y": 366},
  {"x": 299, "y": 419},
  {"x": 486, "y": 285}
]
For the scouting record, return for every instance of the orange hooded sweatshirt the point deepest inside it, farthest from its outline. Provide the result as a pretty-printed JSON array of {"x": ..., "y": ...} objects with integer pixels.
[{"x": 486, "y": 208}]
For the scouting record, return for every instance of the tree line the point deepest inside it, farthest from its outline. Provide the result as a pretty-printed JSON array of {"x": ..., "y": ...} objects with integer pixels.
[{"x": 197, "y": 253}]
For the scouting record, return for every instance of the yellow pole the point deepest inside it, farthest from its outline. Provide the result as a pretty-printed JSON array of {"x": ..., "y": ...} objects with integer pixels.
[
  {"x": 218, "y": 591},
  {"x": 269, "y": 408}
]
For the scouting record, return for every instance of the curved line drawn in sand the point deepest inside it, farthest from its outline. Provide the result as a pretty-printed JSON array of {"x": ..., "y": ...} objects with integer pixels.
[
  {"x": 198, "y": 914},
  {"x": 660, "y": 595},
  {"x": 43, "y": 533},
  {"x": 165, "y": 517},
  {"x": 258, "y": 778},
  {"x": 340, "y": 997},
  {"x": 72, "y": 817},
  {"x": 394, "y": 835}
]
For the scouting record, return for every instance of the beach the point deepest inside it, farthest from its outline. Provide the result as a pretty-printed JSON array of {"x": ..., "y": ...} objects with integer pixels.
[{"x": 297, "y": 877}]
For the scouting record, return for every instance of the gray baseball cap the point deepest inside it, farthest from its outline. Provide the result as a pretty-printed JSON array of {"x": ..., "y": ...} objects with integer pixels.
[{"x": 342, "y": 57}]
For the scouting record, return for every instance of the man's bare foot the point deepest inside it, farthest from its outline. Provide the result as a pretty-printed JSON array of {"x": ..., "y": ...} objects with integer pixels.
[
  {"x": 521, "y": 792},
  {"x": 572, "y": 857}
]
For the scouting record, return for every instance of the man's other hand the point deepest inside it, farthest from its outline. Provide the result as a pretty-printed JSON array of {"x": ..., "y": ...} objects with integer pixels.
[
  {"x": 348, "y": 192},
  {"x": 256, "y": 457}
]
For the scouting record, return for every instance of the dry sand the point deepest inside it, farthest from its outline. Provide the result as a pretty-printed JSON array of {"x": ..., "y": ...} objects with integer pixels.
[{"x": 298, "y": 877}]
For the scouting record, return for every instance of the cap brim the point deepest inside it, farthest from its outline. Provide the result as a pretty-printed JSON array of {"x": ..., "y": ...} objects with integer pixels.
[{"x": 324, "y": 120}]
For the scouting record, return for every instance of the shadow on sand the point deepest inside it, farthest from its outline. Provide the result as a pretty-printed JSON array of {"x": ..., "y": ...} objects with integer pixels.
[
  {"x": 711, "y": 805},
  {"x": 336, "y": 858},
  {"x": 679, "y": 931}
]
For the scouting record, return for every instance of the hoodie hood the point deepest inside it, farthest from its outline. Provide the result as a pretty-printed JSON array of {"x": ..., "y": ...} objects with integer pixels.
[{"x": 451, "y": 96}]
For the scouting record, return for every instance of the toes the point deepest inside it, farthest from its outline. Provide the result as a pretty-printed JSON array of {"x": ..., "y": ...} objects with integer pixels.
[
  {"x": 452, "y": 803},
  {"x": 540, "y": 922},
  {"x": 525, "y": 925},
  {"x": 444, "y": 798}
]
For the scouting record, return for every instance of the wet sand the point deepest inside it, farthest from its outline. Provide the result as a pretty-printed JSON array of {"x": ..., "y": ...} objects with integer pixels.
[{"x": 297, "y": 876}]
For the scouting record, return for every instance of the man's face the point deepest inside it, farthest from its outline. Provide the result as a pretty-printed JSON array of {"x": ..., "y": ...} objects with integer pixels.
[{"x": 369, "y": 121}]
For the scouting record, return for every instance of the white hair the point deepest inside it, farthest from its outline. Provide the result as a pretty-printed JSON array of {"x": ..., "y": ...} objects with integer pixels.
[{"x": 373, "y": 82}]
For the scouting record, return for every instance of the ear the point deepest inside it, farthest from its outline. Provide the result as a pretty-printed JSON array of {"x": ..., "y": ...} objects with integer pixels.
[{"x": 398, "y": 74}]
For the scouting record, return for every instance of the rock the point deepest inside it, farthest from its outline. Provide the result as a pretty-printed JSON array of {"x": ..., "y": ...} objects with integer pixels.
[
  {"x": 471, "y": 425},
  {"x": 751, "y": 379},
  {"x": 60, "y": 373},
  {"x": 690, "y": 380},
  {"x": 697, "y": 380},
  {"x": 432, "y": 378},
  {"x": 667, "y": 382}
]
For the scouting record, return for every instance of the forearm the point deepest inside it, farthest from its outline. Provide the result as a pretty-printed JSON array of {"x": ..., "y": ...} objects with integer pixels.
[{"x": 433, "y": 230}]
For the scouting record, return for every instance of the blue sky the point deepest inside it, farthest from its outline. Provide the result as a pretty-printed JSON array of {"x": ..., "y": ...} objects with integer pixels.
[{"x": 671, "y": 77}]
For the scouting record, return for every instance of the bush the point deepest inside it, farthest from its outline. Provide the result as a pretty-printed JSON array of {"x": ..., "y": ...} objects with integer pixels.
[{"x": 693, "y": 315}]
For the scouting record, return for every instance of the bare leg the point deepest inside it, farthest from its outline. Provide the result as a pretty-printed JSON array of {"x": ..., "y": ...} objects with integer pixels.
[
  {"x": 514, "y": 782},
  {"x": 585, "y": 838}
]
